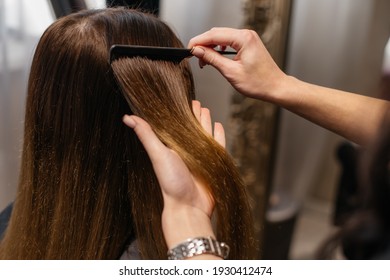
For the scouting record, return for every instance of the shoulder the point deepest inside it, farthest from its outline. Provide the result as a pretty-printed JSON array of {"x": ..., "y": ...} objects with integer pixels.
[{"x": 131, "y": 252}]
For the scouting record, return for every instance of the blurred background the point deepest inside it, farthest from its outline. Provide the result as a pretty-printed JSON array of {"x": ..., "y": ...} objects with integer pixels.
[{"x": 308, "y": 171}]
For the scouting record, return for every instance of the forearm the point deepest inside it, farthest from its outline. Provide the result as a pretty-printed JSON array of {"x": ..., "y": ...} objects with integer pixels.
[{"x": 355, "y": 117}]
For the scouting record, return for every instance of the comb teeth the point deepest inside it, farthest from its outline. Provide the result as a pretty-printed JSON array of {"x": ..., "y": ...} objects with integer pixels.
[{"x": 153, "y": 53}]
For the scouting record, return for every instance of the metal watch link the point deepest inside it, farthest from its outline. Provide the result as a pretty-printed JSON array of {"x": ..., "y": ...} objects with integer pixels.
[{"x": 198, "y": 246}]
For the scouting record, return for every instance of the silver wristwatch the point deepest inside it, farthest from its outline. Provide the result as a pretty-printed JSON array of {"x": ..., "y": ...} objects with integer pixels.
[{"x": 198, "y": 246}]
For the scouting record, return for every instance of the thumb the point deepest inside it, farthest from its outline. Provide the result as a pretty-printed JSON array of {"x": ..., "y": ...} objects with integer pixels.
[{"x": 209, "y": 56}]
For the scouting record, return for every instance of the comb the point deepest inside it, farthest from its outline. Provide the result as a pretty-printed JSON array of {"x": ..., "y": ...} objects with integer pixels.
[{"x": 154, "y": 53}]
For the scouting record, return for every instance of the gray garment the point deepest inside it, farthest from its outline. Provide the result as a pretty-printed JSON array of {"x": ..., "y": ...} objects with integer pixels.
[
  {"x": 4, "y": 218},
  {"x": 132, "y": 252}
]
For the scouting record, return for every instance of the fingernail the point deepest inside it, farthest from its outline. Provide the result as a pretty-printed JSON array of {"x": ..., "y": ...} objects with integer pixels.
[
  {"x": 129, "y": 121},
  {"x": 198, "y": 51}
]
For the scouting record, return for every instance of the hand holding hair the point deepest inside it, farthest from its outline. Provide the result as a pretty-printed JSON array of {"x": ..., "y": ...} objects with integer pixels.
[{"x": 187, "y": 205}]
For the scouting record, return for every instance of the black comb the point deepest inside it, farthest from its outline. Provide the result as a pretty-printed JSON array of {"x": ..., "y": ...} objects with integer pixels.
[{"x": 153, "y": 53}]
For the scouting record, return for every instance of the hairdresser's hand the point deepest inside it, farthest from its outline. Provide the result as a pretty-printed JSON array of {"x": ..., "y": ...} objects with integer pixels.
[
  {"x": 178, "y": 185},
  {"x": 252, "y": 71},
  {"x": 187, "y": 204}
]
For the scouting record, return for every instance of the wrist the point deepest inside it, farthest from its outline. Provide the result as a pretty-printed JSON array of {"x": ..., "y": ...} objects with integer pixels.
[
  {"x": 284, "y": 93},
  {"x": 182, "y": 223}
]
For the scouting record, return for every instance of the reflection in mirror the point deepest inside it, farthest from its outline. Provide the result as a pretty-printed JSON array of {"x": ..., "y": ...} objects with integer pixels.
[{"x": 344, "y": 53}]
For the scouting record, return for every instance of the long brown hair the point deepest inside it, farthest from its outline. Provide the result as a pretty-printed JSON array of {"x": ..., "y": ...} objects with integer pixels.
[{"x": 87, "y": 187}]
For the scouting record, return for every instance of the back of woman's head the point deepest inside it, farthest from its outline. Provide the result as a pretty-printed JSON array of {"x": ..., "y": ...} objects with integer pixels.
[{"x": 87, "y": 187}]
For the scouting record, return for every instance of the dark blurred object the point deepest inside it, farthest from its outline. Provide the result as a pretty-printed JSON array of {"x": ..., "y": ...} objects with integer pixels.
[
  {"x": 151, "y": 6},
  {"x": 385, "y": 87},
  {"x": 4, "y": 218},
  {"x": 278, "y": 238},
  {"x": 65, "y": 7},
  {"x": 366, "y": 233},
  {"x": 347, "y": 191}
]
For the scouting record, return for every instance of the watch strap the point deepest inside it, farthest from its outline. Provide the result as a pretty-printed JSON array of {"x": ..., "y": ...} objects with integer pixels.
[{"x": 198, "y": 246}]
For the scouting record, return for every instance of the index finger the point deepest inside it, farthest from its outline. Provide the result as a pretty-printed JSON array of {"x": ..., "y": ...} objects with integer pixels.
[{"x": 218, "y": 36}]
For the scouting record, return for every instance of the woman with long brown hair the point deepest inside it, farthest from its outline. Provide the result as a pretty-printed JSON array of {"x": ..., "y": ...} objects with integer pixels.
[{"x": 87, "y": 188}]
